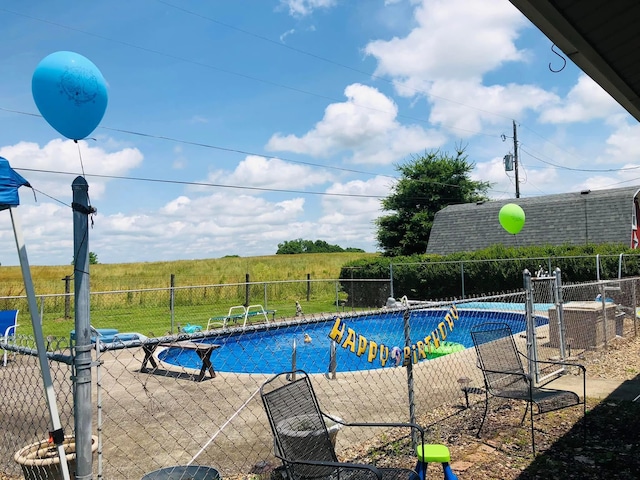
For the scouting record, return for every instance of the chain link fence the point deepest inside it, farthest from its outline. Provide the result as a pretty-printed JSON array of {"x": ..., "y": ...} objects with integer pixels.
[{"x": 163, "y": 399}]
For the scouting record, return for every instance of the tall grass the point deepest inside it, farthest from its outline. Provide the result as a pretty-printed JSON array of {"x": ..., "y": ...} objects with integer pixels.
[
  {"x": 138, "y": 296},
  {"x": 130, "y": 276}
]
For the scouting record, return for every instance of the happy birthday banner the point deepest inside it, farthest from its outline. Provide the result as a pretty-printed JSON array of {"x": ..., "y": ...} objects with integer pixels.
[{"x": 360, "y": 345}]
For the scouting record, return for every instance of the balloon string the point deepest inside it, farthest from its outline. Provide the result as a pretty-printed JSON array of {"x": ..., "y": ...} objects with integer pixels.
[
  {"x": 83, "y": 174},
  {"x": 80, "y": 155}
]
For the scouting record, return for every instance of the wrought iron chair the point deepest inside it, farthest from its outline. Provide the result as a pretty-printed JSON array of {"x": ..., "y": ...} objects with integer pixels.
[
  {"x": 302, "y": 440},
  {"x": 505, "y": 377}
]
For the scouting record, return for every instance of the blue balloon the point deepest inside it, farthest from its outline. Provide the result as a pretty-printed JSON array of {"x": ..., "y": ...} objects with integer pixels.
[{"x": 70, "y": 93}]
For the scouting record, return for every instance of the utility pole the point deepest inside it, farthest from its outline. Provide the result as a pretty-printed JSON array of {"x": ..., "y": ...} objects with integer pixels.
[{"x": 515, "y": 158}]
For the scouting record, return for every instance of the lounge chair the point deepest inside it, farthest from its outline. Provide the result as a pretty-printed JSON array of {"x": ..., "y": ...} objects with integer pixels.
[
  {"x": 302, "y": 440},
  {"x": 8, "y": 322},
  {"x": 504, "y": 375}
]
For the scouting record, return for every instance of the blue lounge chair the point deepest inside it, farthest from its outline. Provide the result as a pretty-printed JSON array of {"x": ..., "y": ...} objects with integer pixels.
[{"x": 8, "y": 322}]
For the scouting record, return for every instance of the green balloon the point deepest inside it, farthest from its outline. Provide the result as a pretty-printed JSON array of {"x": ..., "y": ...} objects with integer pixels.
[{"x": 511, "y": 218}]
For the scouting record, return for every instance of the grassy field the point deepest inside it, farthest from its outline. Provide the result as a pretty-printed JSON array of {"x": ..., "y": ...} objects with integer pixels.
[
  {"x": 126, "y": 276},
  {"x": 147, "y": 310}
]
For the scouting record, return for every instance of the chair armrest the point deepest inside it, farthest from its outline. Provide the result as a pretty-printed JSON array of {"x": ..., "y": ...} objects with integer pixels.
[
  {"x": 552, "y": 362},
  {"x": 412, "y": 426},
  {"x": 507, "y": 372},
  {"x": 6, "y": 332},
  {"x": 338, "y": 465}
]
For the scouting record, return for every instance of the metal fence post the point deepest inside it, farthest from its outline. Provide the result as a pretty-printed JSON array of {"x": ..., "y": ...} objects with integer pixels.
[
  {"x": 172, "y": 299},
  {"x": 635, "y": 310},
  {"x": 559, "y": 311},
  {"x": 410, "y": 390},
  {"x": 82, "y": 360},
  {"x": 266, "y": 300},
  {"x": 531, "y": 327},
  {"x": 67, "y": 298},
  {"x": 462, "y": 277},
  {"x": 391, "y": 279},
  {"x": 247, "y": 288}
]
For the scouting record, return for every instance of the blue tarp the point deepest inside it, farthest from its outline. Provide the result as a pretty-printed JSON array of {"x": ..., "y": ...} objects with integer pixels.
[{"x": 10, "y": 181}]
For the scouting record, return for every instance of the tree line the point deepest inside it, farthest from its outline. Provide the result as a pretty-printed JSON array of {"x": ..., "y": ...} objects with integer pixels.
[{"x": 290, "y": 247}]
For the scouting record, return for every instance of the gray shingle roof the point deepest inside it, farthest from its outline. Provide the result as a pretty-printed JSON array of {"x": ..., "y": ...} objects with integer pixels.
[{"x": 600, "y": 216}]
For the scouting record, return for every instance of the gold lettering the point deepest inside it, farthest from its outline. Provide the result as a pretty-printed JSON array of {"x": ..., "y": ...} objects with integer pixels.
[
  {"x": 350, "y": 341},
  {"x": 384, "y": 354},
  {"x": 421, "y": 352},
  {"x": 337, "y": 331},
  {"x": 427, "y": 342},
  {"x": 454, "y": 311},
  {"x": 362, "y": 345},
  {"x": 407, "y": 356},
  {"x": 449, "y": 320},
  {"x": 443, "y": 330},
  {"x": 373, "y": 351},
  {"x": 436, "y": 340}
]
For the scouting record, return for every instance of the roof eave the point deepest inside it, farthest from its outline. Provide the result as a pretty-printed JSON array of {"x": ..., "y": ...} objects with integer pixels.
[{"x": 555, "y": 26}]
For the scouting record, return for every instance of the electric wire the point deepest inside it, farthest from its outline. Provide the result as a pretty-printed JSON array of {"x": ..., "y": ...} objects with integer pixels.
[
  {"x": 324, "y": 59},
  {"x": 238, "y": 74},
  {"x": 231, "y": 150},
  {"x": 601, "y": 170}
]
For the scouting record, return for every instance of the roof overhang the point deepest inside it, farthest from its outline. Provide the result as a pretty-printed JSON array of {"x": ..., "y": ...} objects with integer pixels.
[{"x": 601, "y": 37}]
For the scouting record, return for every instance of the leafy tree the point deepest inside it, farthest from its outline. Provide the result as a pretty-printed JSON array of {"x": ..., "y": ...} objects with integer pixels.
[
  {"x": 93, "y": 259},
  {"x": 309, "y": 246},
  {"x": 427, "y": 184}
]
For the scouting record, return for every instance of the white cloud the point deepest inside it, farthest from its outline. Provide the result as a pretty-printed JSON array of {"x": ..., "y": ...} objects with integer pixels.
[
  {"x": 257, "y": 171},
  {"x": 63, "y": 156},
  {"x": 306, "y": 7},
  {"x": 445, "y": 57},
  {"x": 532, "y": 181},
  {"x": 286, "y": 34},
  {"x": 365, "y": 125},
  {"x": 585, "y": 101},
  {"x": 454, "y": 39},
  {"x": 507, "y": 101}
]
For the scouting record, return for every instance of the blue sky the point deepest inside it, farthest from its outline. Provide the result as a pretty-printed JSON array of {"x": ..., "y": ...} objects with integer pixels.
[{"x": 305, "y": 105}]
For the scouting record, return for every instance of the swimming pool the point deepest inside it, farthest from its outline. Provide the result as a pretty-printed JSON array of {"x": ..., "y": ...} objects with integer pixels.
[
  {"x": 504, "y": 306},
  {"x": 270, "y": 350}
]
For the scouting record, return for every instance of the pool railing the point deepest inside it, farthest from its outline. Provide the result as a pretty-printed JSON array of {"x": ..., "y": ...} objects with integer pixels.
[{"x": 239, "y": 312}]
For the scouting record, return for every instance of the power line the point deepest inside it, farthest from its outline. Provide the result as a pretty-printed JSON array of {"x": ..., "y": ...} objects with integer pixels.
[
  {"x": 233, "y": 150},
  {"x": 217, "y": 185},
  {"x": 602, "y": 170},
  {"x": 324, "y": 59},
  {"x": 211, "y": 146},
  {"x": 238, "y": 74}
]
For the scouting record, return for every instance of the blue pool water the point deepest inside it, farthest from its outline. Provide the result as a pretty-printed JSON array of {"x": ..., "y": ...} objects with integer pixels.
[
  {"x": 505, "y": 306},
  {"x": 270, "y": 351}
]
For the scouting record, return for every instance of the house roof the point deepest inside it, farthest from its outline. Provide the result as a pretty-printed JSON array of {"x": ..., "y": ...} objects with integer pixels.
[
  {"x": 601, "y": 37},
  {"x": 599, "y": 216}
]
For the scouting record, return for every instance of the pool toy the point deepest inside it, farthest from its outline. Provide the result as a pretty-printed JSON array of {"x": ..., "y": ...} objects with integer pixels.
[
  {"x": 445, "y": 348},
  {"x": 307, "y": 338},
  {"x": 188, "y": 328}
]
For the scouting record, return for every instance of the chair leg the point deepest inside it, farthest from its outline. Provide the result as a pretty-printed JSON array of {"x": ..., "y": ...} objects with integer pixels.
[
  {"x": 533, "y": 435},
  {"x": 448, "y": 473},
  {"x": 486, "y": 409},
  {"x": 526, "y": 410}
]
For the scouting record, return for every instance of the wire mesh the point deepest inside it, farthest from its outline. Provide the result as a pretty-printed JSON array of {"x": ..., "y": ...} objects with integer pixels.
[{"x": 175, "y": 410}]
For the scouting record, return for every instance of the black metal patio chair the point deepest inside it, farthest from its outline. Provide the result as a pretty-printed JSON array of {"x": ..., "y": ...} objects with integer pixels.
[
  {"x": 302, "y": 440},
  {"x": 505, "y": 377}
]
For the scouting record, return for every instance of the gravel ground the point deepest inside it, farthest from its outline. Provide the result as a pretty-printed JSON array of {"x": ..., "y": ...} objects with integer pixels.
[{"x": 504, "y": 450}]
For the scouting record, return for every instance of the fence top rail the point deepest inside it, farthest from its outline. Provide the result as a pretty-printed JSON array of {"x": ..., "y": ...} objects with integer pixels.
[{"x": 517, "y": 259}]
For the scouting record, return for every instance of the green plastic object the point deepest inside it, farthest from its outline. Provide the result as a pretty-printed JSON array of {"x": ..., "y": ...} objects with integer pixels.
[{"x": 433, "y": 453}]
